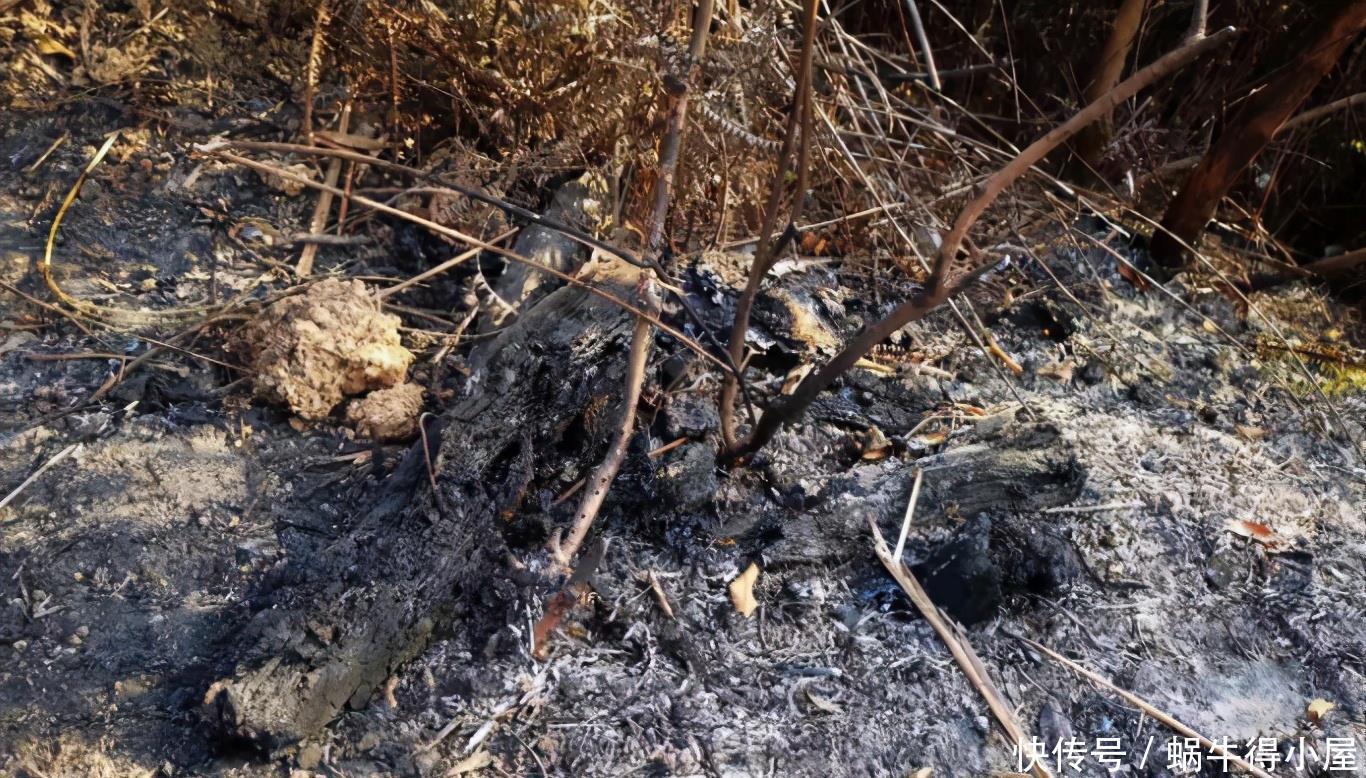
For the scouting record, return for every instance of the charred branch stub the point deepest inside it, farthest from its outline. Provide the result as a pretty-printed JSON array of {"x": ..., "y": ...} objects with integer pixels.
[{"x": 419, "y": 560}]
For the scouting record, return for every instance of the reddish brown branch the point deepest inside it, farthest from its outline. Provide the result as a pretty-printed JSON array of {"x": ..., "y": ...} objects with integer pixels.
[
  {"x": 673, "y": 139},
  {"x": 1040, "y": 148},
  {"x": 1092, "y": 140}
]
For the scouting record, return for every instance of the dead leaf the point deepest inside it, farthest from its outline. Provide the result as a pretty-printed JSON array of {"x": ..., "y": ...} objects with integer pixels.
[
  {"x": 742, "y": 591},
  {"x": 927, "y": 439},
  {"x": 476, "y": 761},
  {"x": 822, "y": 704},
  {"x": 49, "y": 45},
  {"x": 1262, "y": 533},
  {"x": 875, "y": 445},
  {"x": 1059, "y": 371},
  {"x": 813, "y": 244},
  {"x": 1135, "y": 279},
  {"x": 1317, "y": 709}
]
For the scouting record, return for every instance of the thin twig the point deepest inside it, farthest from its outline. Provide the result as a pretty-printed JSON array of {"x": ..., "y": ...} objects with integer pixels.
[
  {"x": 673, "y": 139},
  {"x": 473, "y": 241},
  {"x": 1314, "y": 114},
  {"x": 910, "y": 511},
  {"x": 764, "y": 253},
  {"x": 324, "y": 205},
  {"x": 1147, "y": 708},
  {"x": 923, "y": 41},
  {"x": 601, "y": 482},
  {"x": 321, "y": 15},
  {"x": 427, "y": 450},
  {"x": 59, "y": 456},
  {"x": 458, "y": 259}
]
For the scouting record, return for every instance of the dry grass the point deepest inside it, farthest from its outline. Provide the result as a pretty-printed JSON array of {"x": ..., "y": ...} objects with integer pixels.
[{"x": 72, "y": 758}]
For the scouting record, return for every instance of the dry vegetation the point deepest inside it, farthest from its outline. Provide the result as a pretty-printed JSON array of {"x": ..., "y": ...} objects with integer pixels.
[{"x": 394, "y": 175}]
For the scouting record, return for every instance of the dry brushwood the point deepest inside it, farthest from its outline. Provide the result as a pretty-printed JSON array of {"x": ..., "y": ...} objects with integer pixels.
[{"x": 940, "y": 288}]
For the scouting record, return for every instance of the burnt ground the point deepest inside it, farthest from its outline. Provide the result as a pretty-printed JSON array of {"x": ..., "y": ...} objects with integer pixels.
[{"x": 1094, "y": 519}]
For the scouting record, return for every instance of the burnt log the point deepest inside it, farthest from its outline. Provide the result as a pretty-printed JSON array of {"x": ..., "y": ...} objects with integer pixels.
[{"x": 345, "y": 620}]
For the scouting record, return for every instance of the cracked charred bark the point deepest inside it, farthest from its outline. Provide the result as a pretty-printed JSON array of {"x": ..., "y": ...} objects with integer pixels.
[{"x": 341, "y": 623}]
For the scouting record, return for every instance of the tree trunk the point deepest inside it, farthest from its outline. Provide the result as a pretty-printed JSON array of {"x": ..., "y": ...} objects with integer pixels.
[
  {"x": 421, "y": 558},
  {"x": 1091, "y": 141},
  {"x": 1251, "y": 130}
]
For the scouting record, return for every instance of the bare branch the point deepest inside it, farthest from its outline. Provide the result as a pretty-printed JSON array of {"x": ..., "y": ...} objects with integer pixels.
[
  {"x": 764, "y": 255},
  {"x": 939, "y": 289}
]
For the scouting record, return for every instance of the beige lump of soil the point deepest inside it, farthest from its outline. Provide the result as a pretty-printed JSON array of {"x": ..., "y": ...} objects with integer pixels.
[
  {"x": 313, "y": 350},
  {"x": 387, "y": 414}
]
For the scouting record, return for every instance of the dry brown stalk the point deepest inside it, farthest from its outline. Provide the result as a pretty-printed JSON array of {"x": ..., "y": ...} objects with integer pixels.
[
  {"x": 430, "y": 272},
  {"x": 324, "y": 204},
  {"x": 923, "y": 41},
  {"x": 643, "y": 336},
  {"x": 321, "y": 15},
  {"x": 958, "y": 646},
  {"x": 678, "y": 117}
]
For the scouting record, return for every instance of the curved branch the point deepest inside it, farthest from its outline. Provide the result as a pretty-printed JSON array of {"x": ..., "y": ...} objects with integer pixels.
[{"x": 939, "y": 290}]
